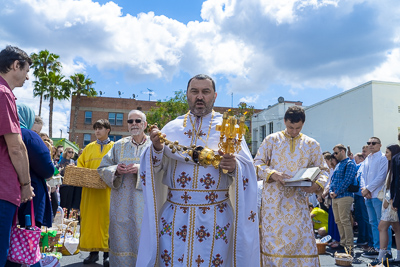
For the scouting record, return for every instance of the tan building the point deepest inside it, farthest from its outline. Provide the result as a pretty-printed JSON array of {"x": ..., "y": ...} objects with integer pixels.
[{"x": 114, "y": 109}]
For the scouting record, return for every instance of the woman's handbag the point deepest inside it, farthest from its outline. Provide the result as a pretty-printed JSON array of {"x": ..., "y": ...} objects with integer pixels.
[
  {"x": 24, "y": 243},
  {"x": 381, "y": 193}
]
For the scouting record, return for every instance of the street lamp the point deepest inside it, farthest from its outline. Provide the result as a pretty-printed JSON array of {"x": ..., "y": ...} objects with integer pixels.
[{"x": 60, "y": 133}]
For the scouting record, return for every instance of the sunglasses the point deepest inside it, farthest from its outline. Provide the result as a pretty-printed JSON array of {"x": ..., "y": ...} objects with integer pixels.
[
  {"x": 372, "y": 143},
  {"x": 335, "y": 153},
  {"x": 135, "y": 120},
  {"x": 70, "y": 152}
]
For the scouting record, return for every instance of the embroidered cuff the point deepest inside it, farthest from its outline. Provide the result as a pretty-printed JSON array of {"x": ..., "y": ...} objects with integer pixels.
[
  {"x": 157, "y": 156},
  {"x": 320, "y": 185},
  {"x": 269, "y": 175}
]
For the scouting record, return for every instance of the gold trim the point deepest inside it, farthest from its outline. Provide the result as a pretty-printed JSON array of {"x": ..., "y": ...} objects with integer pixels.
[
  {"x": 213, "y": 239},
  {"x": 173, "y": 175},
  {"x": 219, "y": 177},
  {"x": 198, "y": 205},
  {"x": 236, "y": 217},
  {"x": 94, "y": 249},
  {"x": 195, "y": 190},
  {"x": 130, "y": 254},
  {"x": 155, "y": 207},
  {"x": 191, "y": 238},
  {"x": 157, "y": 152},
  {"x": 318, "y": 183},
  {"x": 292, "y": 140},
  {"x": 173, "y": 238},
  {"x": 185, "y": 119},
  {"x": 269, "y": 175},
  {"x": 196, "y": 176},
  {"x": 289, "y": 256}
]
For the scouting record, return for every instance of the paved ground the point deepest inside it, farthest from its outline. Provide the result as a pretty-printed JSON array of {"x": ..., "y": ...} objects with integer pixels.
[{"x": 327, "y": 260}]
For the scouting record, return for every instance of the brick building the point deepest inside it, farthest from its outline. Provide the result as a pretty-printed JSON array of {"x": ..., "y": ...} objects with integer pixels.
[{"x": 114, "y": 109}]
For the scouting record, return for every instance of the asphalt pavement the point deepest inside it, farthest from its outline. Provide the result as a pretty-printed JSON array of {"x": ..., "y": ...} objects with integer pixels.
[{"x": 327, "y": 260}]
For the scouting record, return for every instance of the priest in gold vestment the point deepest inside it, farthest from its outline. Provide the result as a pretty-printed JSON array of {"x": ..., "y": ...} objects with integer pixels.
[
  {"x": 287, "y": 237},
  {"x": 209, "y": 217}
]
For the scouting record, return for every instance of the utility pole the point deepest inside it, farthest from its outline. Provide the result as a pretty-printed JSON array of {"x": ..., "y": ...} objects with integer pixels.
[
  {"x": 150, "y": 92},
  {"x": 232, "y": 100}
]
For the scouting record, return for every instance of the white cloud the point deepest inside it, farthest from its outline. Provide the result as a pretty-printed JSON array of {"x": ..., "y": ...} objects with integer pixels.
[
  {"x": 249, "y": 99},
  {"x": 252, "y": 44},
  {"x": 61, "y": 109}
]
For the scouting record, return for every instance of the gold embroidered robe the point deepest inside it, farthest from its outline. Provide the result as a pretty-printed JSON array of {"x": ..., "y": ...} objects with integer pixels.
[
  {"x": 287, "y": 230},
  {"x": 198, "y": 224}
]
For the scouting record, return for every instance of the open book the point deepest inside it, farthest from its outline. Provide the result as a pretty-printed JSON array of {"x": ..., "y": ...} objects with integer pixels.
[{"x": 304, "y": 177}]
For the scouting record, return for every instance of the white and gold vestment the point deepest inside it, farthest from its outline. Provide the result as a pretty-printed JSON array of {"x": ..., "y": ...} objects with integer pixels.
[
  {"x": 126, "y": 206},
  {"x": 208, "y": 218},
  {"x": 287, "y": 237}
]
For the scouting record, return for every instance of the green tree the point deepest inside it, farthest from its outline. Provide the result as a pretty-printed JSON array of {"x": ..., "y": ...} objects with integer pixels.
[
  {"x": 80, "y": 85},
  {"x": 56, "y": 89},
  {"x": 247, "y": 111},
  {"x": 168, "y": 110},
  {"x": 42, "y": 63}
]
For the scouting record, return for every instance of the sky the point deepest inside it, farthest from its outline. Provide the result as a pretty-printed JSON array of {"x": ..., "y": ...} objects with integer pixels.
[{"x": 256, "y": 50}]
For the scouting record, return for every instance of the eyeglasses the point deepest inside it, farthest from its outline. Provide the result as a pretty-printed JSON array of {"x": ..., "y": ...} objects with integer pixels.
[
  {"x": 335, "y": 153},
  {"x": 135, "y": 120},
  {"x": 372, "y": 143}
]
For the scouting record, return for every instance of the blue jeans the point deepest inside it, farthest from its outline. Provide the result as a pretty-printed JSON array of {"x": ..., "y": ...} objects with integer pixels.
[
  {"x": 374, "y": 208},
  {"x": 361, "y": 214},
  {"x": 7, "y": 211}
]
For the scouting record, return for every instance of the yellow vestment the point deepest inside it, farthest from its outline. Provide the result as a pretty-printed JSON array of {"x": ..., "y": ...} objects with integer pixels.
[{"x": 95, "y": 203}]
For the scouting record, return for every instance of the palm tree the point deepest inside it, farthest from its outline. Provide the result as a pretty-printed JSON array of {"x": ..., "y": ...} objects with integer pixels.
[
  {"x": 43, "y": 63},
  {"x": 80, "y": 85},
  {"x": 57, "y": 89}
]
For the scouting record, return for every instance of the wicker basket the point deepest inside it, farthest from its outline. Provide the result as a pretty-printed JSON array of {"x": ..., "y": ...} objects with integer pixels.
[
  {"x": 343, "y": 259},
  {"x": 321, "y": 248},
  {"x": 71, "y": 228},
  {"x": 83, "y": 177}
]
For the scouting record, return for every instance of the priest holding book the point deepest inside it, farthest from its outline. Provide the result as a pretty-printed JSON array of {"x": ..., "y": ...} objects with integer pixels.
[{"x": 287, "y": 231}]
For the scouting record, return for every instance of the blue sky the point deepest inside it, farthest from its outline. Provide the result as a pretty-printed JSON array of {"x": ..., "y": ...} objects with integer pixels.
[{"x": 257, "y": 50}]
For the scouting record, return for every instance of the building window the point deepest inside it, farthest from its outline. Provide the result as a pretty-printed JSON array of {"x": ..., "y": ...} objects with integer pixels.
[
  {"x": 119, "y": 119},
  {"x": 271, "y": 127},
  {"x": 88, "y": 117},
  {"x": 86, "y": 139},
  {"x": 115, "y": 118},
  {"x": 115, "y": 138},
  {"x": 263, "y": 132}
]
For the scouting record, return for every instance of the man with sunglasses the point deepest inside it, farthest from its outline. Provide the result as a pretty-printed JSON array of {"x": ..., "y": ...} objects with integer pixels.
[
  {"x": 342, "y": 199},
  {"x": 196, "y": 224},
  {"x": 95, "y": 203},
  {"x": 373, "y": 178},
  {"x": 120, "y": 170}
]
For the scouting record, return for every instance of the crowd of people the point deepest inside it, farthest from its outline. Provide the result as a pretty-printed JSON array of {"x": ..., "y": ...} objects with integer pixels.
[
  {"x": 166, "y": 205},
  {"x": 364, "y": 187}
]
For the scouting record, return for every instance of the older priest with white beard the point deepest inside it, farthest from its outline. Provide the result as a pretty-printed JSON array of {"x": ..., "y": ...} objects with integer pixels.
[{"x": 119, "y": 169}]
